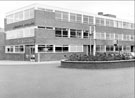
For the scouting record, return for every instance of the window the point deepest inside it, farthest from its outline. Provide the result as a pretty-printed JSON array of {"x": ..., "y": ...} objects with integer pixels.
[
  {"x": 61, "y": 32},
  {"x": 118, "y": 48},
  {"x": 120, "y": 37},
  {"x": 72, "y": 17},
  {"x": 15, "y": 49},
  {"x": 85, "y": 34},
  {"x": 58, "y": 15},
  {"x": 132, "y": 38},
  {"x": 132, "y": 26},
  {"x": 18, "y": 16},
  {"x": 9, "y": 49},
  {"x": 100, "y": 48},
  {"x": 85, "y": 19},
  {"x": 108, "y": 36},
  {"x": 109, "y": 23},
  {"x": 100, "y": 35},
  {"x": 128, "y": 37},
  {"x": 100, "y": 21},
  {"x": 79, "y": 18},
  {"x": 117, "y": 36},
  {"x": 125, "y": 25},
  {"x": 29, "y": 13},
  {"x": 45, "y": 48},
  {"x": 126, "y": 48},
  {"x": 65, "y": 16},
  {"x": 76, "y": 48},
  {"x": 109, "y": 48},
  {"x": 63, "y": 48},
  {"x": 10, "y": 19},
  {"x": 91, "y": 19},
  {"x": 21, "y": 15},
  {"x": 79, "y": 33},
  {"x": 73, "y": 33},
  {"x": 20, "y": 33},
  {"x": 119, "y": 24},
  {"x": 19, "y": 49}
]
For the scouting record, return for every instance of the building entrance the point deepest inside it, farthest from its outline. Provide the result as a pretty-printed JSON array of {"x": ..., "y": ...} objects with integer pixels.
[{"x": 29, "y": 53}]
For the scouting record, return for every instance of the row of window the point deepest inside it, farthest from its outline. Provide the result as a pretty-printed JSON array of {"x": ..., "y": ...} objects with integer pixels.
[
  {"x": 15, "y": 49},
  {"x": 73, "y": 17},
  {"x": 46, "y": 48},
  {"x": 63, "y": 32},
  {"x": 20, "y": 33},
  {"x": 19, "y": 16},
  {"x": 59, "y": 48},
  {"x": 113, "y": 23},
  {"x": 113, "y": 36},
  {"x": 111, "y": 48}
]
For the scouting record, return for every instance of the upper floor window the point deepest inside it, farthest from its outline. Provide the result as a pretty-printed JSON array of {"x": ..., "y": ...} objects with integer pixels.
[
  {"x": 20, "y": 33},
  {"x": 58, "y": 15},
  {"x": 65, "y": 16},
  {"x": 79, "y": 18},
  {"x": 85, "y": 19},
  {"x": 100, "y": 35},
  {"x": 100, "y": 21},
  {"x": 109, "y": 23},
  {"x": 85, "y": 34},
  {"x": 119, "y": 23},
  {"x": 19, "y": 16},
  {"x": 91, "y": 19},
  {"x": 61, "y": 32},
  {"x": 72, "y": 17}
]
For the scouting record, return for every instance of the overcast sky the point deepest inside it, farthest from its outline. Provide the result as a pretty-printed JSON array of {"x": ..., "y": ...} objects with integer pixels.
[{"x": 122, "y": 9}]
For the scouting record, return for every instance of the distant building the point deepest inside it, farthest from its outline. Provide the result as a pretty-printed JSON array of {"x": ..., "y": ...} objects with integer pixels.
[
  {"x": 48, "y": 33},
  {"x": 2, "y": 44}
]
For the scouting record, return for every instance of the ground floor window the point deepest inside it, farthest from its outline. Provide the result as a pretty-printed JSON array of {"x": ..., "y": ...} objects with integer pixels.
[
  {"x": 100, "y": 48},
  {"x": 109, "y": 48},
  {"x": 127, "y": 48},
  {"x": 63, "y": 48},
  {"x": 118, "y": 48},
  {"x": 76, "y": 48},
  {"x": 45, "y": 48},
  {"x": 15, "y": 49},
  {"x": 19, "y": 49}
]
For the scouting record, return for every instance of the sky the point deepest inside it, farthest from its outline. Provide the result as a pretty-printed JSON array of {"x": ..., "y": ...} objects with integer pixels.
[{"x": 122, "y": 9}]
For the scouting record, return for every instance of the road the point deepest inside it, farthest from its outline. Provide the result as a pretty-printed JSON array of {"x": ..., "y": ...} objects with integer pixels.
[{"x": 51, "y": 81}]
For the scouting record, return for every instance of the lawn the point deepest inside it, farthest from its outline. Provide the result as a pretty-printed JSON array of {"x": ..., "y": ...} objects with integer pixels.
[{"x": 50, "y": 81}]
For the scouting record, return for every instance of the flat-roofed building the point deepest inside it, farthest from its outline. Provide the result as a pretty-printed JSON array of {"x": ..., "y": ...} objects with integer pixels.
[
  {"x": 2, "y": 44},
  {"x": 49, "y": 33}
]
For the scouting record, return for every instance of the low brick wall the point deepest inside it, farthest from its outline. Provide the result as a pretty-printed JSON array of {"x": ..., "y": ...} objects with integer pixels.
[{"x": 98, "y": 64}]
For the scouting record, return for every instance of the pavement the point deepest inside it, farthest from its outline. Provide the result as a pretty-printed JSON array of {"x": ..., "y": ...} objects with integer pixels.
[{"x": 5, "y": 62}]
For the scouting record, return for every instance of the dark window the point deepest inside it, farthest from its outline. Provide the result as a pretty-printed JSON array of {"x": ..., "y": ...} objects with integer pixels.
[{"x": 72, "y": 33}]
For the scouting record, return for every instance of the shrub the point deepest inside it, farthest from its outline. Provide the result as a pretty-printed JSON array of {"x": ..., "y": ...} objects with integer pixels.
[{"x": 98, "y": 57}]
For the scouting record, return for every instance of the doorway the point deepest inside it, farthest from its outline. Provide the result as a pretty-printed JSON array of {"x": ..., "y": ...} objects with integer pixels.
[{"x": 29, "y": 52}]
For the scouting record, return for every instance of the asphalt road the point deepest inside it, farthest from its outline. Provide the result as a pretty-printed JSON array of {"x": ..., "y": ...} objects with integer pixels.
[{"x": 50, "y": 81}]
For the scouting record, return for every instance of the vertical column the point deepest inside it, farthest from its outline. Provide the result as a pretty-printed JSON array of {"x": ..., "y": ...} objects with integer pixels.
[
  {"x": 94, "y": 48},
  {"x": 36, "y": 48},
  {"x": 82, "y": 34},
  {"x": 54, "y": 48},
  {"x": 104, "y": 48},
  {"x": 114, "y": 48},
  {"x": 94, "y": 36},
  {"x": 68, "y": 33}
]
